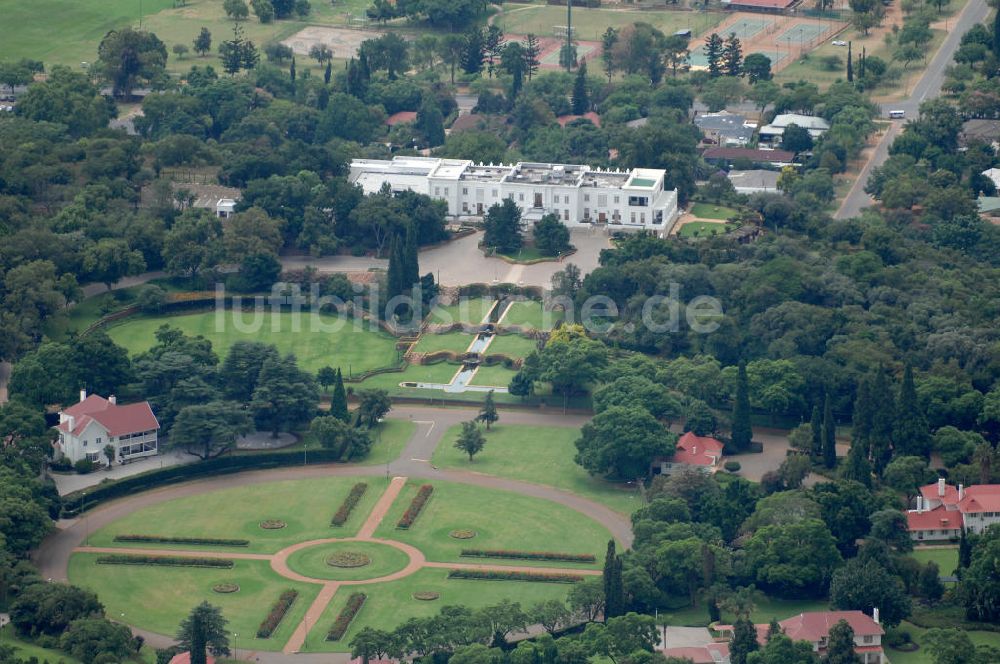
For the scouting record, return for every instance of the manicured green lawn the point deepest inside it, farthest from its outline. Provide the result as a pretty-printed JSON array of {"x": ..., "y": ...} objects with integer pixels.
[
  {"x": 390, "y": 604},
  {"x": 922, "y": 656},
  {"x": 312, "y": 561},
  {"x": 946, "y": 558},
  {"x": 530, "y": 313},
  {"x": 25, "y": 650},
  {"x": 702, "y": 228},
  {"x": 512, "y": 345},
  {"x": 305, "y": 505},
  {"x": 388, "y": 441},
  {"x": 710, "y": 211},
  {"x": 590, "y": 24},
  {"x": 767, "y": 608},
  {"x": 495, "y": 376},
  {"x": 543, "y": 455},
  {"x": 352, "y": 347},
  {"x": 81, "y": 315},
  {"x": 502, "y": 520},
  {"x": 454, "y": 341},
  {"x": 158, "y": 598},
  {"x": 471, "y": 310},
  {"x": 528, "y": 253}
]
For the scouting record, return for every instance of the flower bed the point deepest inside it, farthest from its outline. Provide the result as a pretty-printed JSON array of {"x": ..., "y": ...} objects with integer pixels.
[
  {"x": 272, "y": 524},
  {"x": 413, "y": 511},
  {"x": 277, "y": 614},
  {"x": 196, "y": 541},
  {"x": 348, "y": 559},
  {"x": 495, "y": 575},
  {"x": 164, "y": 561},
  {"x": 426, "y": 595},
  {"x": 530, "y": 555},
  {"x": 463, "y": 533},
  {"x": 225, "y": 588},
  {"x": 344, "y": 618},
  {"x": 346, "y": 507}
]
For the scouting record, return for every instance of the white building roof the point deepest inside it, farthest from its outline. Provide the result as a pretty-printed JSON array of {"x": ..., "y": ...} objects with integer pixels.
[
  {"x": 815, "y": 125},
  {"x": 994, "y": 175}
]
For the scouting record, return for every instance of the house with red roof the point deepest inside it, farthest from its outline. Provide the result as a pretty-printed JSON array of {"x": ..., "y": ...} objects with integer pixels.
[
  {"x": 944, "y": 510},
  {"x": 703, "y": 453},
  {"x": 814, "y": 627},
  {"x": 86, "y": 427},
  {"x": 185, "y": 658}
]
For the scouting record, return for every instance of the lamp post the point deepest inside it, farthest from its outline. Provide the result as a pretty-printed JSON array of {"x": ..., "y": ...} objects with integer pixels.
[
  {"x": 305, "y": 453},
  {"x": 236, "y": 648}
]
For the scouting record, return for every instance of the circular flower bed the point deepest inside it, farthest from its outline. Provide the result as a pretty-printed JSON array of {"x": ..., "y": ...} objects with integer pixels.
[
  {"x": 272, "y": 524},
  {"x": 426, "y": 595},
  {"x": 226, "y": 588},
  {"x": 348, "y": 559},
  {"x": 463, "y": 533}
]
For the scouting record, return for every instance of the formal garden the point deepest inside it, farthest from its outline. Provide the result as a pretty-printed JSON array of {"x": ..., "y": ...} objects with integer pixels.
[{"x": 376, "y": 552}]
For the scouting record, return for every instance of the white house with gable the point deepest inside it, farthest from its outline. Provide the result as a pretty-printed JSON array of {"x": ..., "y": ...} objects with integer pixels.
[{"x": 85, "y": 428}]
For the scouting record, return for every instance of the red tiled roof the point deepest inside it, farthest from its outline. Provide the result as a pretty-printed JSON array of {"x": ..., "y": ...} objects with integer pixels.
[
  {"x": 980, "y": 498},
  {"x": 815, "y": 625},
  {"x": 594, "y": 118},
  {"x": 401, "y": 118},
  {"x": 765, "y": 4},
  {"x": 697, "y": 450},
  {"x": 936, "y": 519},
  {"x": 930, "y": 492},
  {"x": 91, "y": 404},
  {"x": 185, "y": 658},
  {"x": 781, "y": 156},
  {"x": 118, "y": 420}
]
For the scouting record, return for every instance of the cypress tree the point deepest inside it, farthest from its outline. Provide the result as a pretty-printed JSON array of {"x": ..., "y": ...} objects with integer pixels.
[
  {"x": 829, "y": 434},
  {"x": 394, "y": 277},
  {"x": 614, "y": 599},
  {"x": 327, "y": 73},
  {"x": 817, "y": 434},
  {"x": 910, "y": 431},
  {"x": 850, "y": 64},
  {"x": 964, "y": 552},
  {"x": 411, "y": 264},
  {"x": 856, "y": 467},
  {"x": 291, "y": 72},
  {"x": 861, "y": 63},
  {"x": 338, "y": 400},
  {"x": 580, "y": 100},
  {"x": 199, "y": 642},
  {"x": 742, "y": 433},
  {"x": 744, "y": 641},
  {"x": 882, "y": 419}
]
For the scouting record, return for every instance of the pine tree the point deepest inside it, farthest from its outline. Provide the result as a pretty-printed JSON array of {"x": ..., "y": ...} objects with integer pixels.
[
  {"x": 614, "y": 598},
  {"x": 580, "y": 100},
  {"x": 742, "y": 431},
  {"x": 473, "y": 54},
  {"x": 840, "y": 645},
  {"x": 203, "y": 42},
  {"x": 856, "y": 466},
  {"x": 328, "y": 72},
  {"x": 338, "y": 400},
  {"x": 773, "y": 629},
  {"x": 910, "y": 431},
  {"x": 488, "y": 413},
  {"x": 608, "y": 41},
  {"x": 532, "y": 52},
  {"x": 850, "y": 64},
  {"x": 430, "y": 121},
  {"x": 816, "y": 423},
  {"x": 829, "y": 434},
  {"x": 743, "y": 642},
  {"x": 964, "y": 552},
  {"x": 713, "y": 53},
  {"x": 411, "y": 264},
  {"x": 732, "y": 56},
  {"x": 231, "y": 52}
]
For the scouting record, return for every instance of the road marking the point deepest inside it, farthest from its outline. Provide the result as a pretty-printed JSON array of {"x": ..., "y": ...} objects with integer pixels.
[
  {"x": 420, "y": 460},
  {"x": 427, "y": 435}
]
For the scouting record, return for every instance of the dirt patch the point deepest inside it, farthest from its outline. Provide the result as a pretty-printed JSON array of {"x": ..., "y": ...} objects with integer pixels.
[{"x": 344, "y": 42}]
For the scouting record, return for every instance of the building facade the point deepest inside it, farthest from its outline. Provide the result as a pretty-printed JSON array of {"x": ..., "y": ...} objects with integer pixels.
[
  {"x": 814, "y": 627},
  {"x": 699, "y": 452},
  {"x": 944, "y": 510},
  {"x": 580, "y": 196},
  {"x": 85, "y": 428}
]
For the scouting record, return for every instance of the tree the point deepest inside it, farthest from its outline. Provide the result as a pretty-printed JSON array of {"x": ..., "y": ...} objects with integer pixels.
[
  {"x": 608, "y": 41},
  {"x": 470, "y": 440},
  {"x": 863, "y": 585},
  {"x": 493, "y": 45},
  {"x": 263, "y": 10},
  {"x": 980, "y": 586},
  {"x": 551, "y": 235},
  {"x": 241, "y": 369},
  {"x": 13, "y": 74},
  {"x": 521, "y": 385},
  {"x": 335, "y": 434},
  {"x": 742, "y": 431},
  {"x": 829, "y": 434},
  {"x": 622, "y": 442},
  {"x": 780, "y": 649},
  {"x": 209, "y": 430},
  {"x": 816, "y": 429},
  {"x": 513, "y": 61},
  {"x": 637, "y": 390},
  {"x": 840, "y": 645},
  {"x": 676, "y": 52},
  {"x": 50, "y": 608},
  {"x": 430, "y": 122},
  {"x": 714, "y": 54},
  {"x": 532, "y": 54},
  {"x": 551, "y": 614},
  {"x": 180, "y": 50},
  {"x": 129, "y": 58},
  {"x": 950, "y": 646},
  {"x": 87, "y": 639},
  {"x": 732, "y": 56},
  {"x": 109, "y": 454},
  {"x": 743, "y": 641},
  {"x": 488, "y": 413},
  {"x": 614, "y": 596},
  {"x": 503, "y": 227},
  {"x": 203, "y": 42},
  {"x": 699, "y": 419},
  {"x": 236, "y": 9},
  {"x": 473, "y": 51},
  {"x": 581, "y": 99},
  {"x": 794, "y": 559},
  {"x": 69, "y": 98},
  {"x": 586, "y": 598},
  {"x": 373, "y": 405},
  {"x": 204, "y": 630},
  {"x": 910, "y": 430},
  {"x": 906, "y": 474},
  {"x": 285, "y": 395},
  {"x": 757, "y": 67},
  {"x": 850, "y": 63},
  {"x": 110, "y": 260},
  {"x": 931, "y": 587},
  {"x": 889, "y": 526},
  {"x": 796, "y": 139}
]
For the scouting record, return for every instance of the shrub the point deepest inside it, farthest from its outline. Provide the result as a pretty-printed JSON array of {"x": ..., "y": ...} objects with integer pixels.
[
  {"x": 197, "y": 541},
  {"x": 496, "y": 575},
  {"x": 732, "y": 466},
  {"x": 530, "y": 555},
  {"x": 345, "y": 509},
  {"x": 413, "y": 511},
  {"x": 348, "y": 559},
  {"x": 896, "y": 637},
  {"x": 272, "y": 524},
  {"x": 463, "y": 533},
  {"x": 84, "y": 466},
  {"x": 226, "y": 588},
  {"x": 344, "y": 618},
  {"x": 277, "y": 614},
  {"x": 164, "y": 561}
]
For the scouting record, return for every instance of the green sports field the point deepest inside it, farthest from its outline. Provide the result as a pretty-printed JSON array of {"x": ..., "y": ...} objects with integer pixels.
[
  {"x": 353, "y": 347},
  {"x": 590, "y": 24}
]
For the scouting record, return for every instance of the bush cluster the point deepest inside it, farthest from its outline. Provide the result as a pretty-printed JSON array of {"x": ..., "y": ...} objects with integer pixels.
[
  {"x": 413, "y": 511},
  {"x": 344, "y": 618},
  {"x": 277, "y": 614},
  {"x": 164, "y": 561},
  {"x": 346, "y": 507},
  {"x": 530, "y": 555},
  {"x": 198, "y": 541},
  {"x": 496, "y": 575}
]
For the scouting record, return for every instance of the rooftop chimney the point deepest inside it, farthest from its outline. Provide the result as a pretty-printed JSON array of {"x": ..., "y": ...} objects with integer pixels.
[
  {"x": 113, "y": 400},
  {"x": 875, "y": 614},
  {"x": 83, "y": 395},
  {"x": 941, "y": 487},
  {"x": 961, "y": 492},
  {"x": 70, "y": 421}
]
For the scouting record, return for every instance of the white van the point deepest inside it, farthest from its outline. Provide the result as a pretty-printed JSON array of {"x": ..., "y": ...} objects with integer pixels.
[{"x": 896, "y": 115}]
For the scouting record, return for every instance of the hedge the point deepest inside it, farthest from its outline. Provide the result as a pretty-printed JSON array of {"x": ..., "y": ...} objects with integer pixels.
[
  {"x": 497, "y": 575},
  {"x": 530, "y": 555},
  {"x": 197, "y": 541},
  {"x": 277, "y": 614},
  {"x": 413, "y": 511},
  {"x": 346, "y": 615},
  {"x": 345, "y": 509},
  {"x": 164, "y": 561}
]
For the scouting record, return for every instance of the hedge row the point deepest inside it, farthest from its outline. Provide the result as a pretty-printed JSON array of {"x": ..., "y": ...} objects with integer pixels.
[
  {"x": 198, "y": 541},
  {"x": 530, "y": 555},
  {"x": 496, "y": 575},
  {"x": 277, "y": 614},
  {"x": 413, "y": 511},
  {"x": 346, "y": 507},
  {"x": 344, "y": 618},
  {"x": 165, "y": 561}
]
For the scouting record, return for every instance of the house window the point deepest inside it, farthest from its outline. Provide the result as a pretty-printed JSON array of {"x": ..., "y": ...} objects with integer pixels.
[
  {"x": 602, "y": 200},
  {"x": 616, "y": 200},
  {"x": 566, "y": 215},
  {"x": 494, "y": 193},
  {"x": 632, "y": 217},
  {"x": 566, "y": 200},
  {"x": 446, "y": 191},
  {"x": 97, "y": 441},
  {"x": 642, "y": 218},
  {"x": 93, "y": 456},
  {"x": 465, "y": 191},
  {"x": 437, "y": 191},
  {"x": 520, "y": 197},
  {"x": 84, "y": 442},
  {"x": 586, "y": 198},
  {"x": 638, "y": 201},
  {"x": 868, "y": 639}
]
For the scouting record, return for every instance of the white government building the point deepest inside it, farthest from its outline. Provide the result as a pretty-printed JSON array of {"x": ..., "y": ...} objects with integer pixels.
[{"x": 579, "y": 195}]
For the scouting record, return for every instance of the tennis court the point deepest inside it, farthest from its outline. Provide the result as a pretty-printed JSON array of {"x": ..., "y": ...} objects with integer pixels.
[
  {"x": 803, "y": 33},
  {"x": 747, "y": 27},
  {"x": 699, "y": 58},
  {"x": 584, "y": 51}
]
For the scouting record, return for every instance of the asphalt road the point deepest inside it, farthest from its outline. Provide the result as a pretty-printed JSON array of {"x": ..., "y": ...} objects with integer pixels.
[{"x": 928, "y": 87}]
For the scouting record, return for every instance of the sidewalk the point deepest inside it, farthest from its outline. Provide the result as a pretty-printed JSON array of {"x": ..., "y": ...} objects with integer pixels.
[{"x": 68, "y": 483}]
